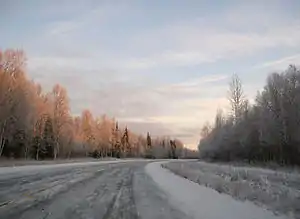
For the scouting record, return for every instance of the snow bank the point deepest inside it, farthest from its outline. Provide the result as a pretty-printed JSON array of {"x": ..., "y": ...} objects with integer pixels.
[
  {"x": 202, "y": 202},
  {"x": 277, "y": 191}
]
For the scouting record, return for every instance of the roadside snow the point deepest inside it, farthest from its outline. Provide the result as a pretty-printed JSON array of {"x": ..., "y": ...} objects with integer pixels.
[
  {"x": 277, "y": 191},
  {"x": 202, "y": 202}
]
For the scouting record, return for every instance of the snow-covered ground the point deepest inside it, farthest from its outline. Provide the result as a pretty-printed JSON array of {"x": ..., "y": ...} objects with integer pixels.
[
  {"x": 114, "y": 189},
  {"x": 202, "y": 202},
  {"x": 278, "y": 191}
]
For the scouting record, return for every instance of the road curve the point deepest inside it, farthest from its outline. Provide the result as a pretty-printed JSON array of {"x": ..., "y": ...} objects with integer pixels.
[{"x": 102, "y": 190}]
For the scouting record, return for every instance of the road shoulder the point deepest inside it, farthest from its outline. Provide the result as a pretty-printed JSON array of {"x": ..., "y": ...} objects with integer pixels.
[{"x": 201, "y": 202}]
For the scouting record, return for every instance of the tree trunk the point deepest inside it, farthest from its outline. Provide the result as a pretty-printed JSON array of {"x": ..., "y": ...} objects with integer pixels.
[
  {"x": 56, "y": 150},
  {"x": 2, "y": 144},
  {"x": 54, "y": 153},
  {"x": 37, "y": 152},
  {"x": 69, "y": 154},
  {"x": 2, "y": 140},
  {"x": 26, "y": 151}
]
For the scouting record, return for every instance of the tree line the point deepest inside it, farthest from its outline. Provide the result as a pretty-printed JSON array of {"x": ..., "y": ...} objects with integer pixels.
[
  {"x": 39, "y": 125},
  {"x": 265, "y": 131}
]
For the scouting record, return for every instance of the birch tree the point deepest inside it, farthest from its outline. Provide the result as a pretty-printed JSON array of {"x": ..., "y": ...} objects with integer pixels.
[
  {"x": 236, "y": 97},
  {"x": 61, "y": 112},
  {"x": 11, "y": 66}
]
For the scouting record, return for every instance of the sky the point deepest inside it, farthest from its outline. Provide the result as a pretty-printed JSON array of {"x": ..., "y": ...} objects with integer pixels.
[{"x": 158, "y": 66}]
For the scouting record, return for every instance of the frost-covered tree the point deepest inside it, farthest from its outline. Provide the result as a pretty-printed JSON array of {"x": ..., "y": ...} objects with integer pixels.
[{"x": 265, "y": 131}]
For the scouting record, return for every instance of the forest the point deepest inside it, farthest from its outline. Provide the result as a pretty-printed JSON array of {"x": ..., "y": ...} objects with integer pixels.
[
  {"x": 266, "y": 131},
  {"x": 39, "y": 125}
]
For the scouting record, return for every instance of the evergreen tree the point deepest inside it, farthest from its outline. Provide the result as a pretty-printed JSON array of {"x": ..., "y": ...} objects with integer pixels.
[
  {"x": 117, "y": 143},
  {"x": 148, "y": 152}
]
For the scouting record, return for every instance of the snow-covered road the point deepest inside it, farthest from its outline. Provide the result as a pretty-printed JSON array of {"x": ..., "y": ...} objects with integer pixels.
[
  {"x": 82, "y": 190},
  {"x": 112, "y": 189}
]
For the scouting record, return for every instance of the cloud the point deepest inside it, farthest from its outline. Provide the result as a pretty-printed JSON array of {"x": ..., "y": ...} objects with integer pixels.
[
  {"x": 182, "y": 117},
  {"x": 194, "y": 45},
  {"x": 258, "y": 15},
  {"x": 233, "y": 33},
  {"x": 176, "y": 44},
  {"x": 282, "y": 63},
  {"x": 193, "y": 83},
  {"x": 196, "y": 89},
  {"x": 129, "y": 74},
  {"x": 63, "y": 27},
  {"x": 89, "y": 15}
]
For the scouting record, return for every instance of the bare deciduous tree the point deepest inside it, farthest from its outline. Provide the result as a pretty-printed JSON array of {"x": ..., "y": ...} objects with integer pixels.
[{"x": 236, "y": 97}]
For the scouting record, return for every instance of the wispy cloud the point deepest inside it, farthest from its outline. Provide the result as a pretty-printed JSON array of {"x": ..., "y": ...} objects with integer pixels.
[
  {"x": 99, "y": 14},
  {"x": 194, "y": 83},
  {"x": 63, "y": 27},
  {"x": 193, "y": 46},
  {"x": 281, "y": 63}
]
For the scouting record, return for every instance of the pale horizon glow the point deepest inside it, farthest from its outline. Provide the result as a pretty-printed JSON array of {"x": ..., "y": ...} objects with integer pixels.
[{"x": 157, "y": 66}]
